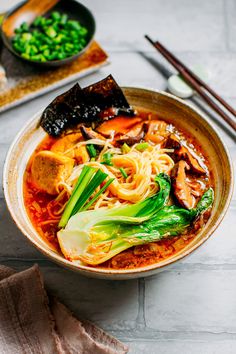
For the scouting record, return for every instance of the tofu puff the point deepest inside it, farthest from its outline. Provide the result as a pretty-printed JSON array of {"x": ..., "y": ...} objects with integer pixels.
[{"x": 49, "y": 169}]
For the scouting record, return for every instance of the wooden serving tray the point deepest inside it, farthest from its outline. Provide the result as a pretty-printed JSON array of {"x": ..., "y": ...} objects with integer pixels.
[{"x": 26, "y": 81}]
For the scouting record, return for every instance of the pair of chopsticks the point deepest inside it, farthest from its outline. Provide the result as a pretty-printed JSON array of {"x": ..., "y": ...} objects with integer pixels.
[{"x": 197, "y": 84}]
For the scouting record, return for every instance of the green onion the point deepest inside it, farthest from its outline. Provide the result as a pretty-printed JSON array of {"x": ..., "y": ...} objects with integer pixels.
[
  {"x": 91, "y": 150},
  {"x": 64, "y": 19},
  {"x": 50, "y": 32},
  {"x": 125, "y": 148},
  {"x": 97, "y": 179},
  {"x": 24, "y": 26},
  {"x": 86, "y": 184},
  {"x": 106, "y": 159},
  {"x": 63, "y": 37},
  {"x": 106, "y": 185},
  {"x": 82, "y": 182},
  {"x": 56, "y": 15},
  {"x": 74, "y": 25},
  {"x": 1, "y": 18},
  {"x": 124, "y": 174},
  {"x": 142, "y": 146}
]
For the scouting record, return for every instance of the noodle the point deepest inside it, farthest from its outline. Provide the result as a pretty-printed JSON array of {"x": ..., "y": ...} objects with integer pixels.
[
  {"x": 55, "y": 207},
  {"x": 141, "y": 168}
]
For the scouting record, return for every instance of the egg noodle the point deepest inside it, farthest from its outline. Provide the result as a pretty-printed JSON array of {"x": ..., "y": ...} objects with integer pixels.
[{"x": 141, "y": 168}]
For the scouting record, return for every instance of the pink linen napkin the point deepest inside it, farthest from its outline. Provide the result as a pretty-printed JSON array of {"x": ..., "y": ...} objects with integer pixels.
[{"x": 31, "y": 323}]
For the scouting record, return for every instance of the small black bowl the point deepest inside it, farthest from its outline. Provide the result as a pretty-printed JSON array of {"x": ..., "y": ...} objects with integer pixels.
[{"x": 74, "y": 10}]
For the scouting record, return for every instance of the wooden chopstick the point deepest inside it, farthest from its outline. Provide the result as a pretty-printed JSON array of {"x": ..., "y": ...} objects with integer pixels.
[{"x": 196, "y": 83}]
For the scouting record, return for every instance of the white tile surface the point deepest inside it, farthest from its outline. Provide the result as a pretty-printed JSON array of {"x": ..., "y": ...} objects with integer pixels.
[
  {"x": 192, "y": 301},
  {"x": 175, "y": 23},
  {"x": 183, "y": 347},
  {"x": 191, "y": 308},
  {"x": 230, "y": 24}
]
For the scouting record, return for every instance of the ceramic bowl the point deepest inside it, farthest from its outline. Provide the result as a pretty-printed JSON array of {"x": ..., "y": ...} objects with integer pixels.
[{"x": 168, "y": 107}]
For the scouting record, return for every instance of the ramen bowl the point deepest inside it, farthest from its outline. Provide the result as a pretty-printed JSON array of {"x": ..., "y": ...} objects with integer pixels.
[{"x": 169, "y": 108}]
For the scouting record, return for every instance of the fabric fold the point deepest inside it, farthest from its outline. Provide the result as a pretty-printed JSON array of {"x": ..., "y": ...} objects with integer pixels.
[{"x": 30, "y": 323}]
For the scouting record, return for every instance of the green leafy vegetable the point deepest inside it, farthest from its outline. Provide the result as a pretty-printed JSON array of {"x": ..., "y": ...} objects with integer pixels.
[
  {"x": 128, "y": 214},
  {"x": 96, "y": 236},
  {"x": 87, "y": 183}
]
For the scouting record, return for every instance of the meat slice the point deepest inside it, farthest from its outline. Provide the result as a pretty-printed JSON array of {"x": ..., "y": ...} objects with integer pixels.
[
  {"x": 182, "y": 190},
  {"x": 49, "y": 169}
]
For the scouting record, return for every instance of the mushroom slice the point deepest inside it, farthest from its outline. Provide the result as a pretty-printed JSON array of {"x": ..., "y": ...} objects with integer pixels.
[
  {"x": 182, "y": 190},
  {"x": 172, "y": 142},
  {"x": 131, "y": 140},
  {"x": 89, "y": 133},
  {"x": 192, "y": 160},
  {"x": 182, "y": 152}
]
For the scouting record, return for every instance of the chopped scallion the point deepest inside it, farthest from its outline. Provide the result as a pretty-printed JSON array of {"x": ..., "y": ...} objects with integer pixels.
[
  {"x": 125, "y": 148},
  {"x": 124, "y": 174},
  {"x": 142, "y": 146},
  {"x": 91, "y": 150},
  {"x": 106, "y": 159}
]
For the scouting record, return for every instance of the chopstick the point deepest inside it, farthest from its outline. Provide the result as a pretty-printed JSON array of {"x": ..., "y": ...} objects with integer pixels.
[{"x": 197, "y": 84}]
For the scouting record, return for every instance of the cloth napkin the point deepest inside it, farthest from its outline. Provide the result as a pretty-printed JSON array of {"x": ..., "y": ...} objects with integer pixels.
[{"x": 33, "y": 323}]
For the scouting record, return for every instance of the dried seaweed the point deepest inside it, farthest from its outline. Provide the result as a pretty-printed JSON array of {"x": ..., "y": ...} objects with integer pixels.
[{"x": 86, "y": 105}]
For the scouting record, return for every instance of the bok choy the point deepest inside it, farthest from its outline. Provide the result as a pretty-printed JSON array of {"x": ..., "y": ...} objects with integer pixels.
[{"x": 96, "y": 236}]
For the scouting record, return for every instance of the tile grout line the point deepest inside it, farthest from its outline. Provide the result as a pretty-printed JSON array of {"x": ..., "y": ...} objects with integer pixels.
[
  {"x": 150, "y": 334},
  {"x": 179, "y": 267},
  {"x": 127, "y": 50},
  {"x": 141, "y": 321},
  {"x": 226, "y": 25}
]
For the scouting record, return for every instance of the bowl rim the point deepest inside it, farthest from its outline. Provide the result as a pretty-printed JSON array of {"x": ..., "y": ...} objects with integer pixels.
[
  {"x": 48, "y": 63},
  {"x": 142, "y": 271}
]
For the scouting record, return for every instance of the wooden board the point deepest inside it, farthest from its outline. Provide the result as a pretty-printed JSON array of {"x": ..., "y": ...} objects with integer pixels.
[{"x": 27, "y": 81}]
